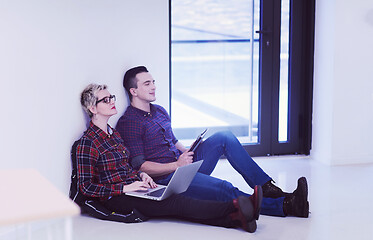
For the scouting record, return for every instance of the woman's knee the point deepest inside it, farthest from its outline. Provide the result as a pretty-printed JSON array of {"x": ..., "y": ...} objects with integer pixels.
[
  {"x": 228, "y": 191},
  {"x": 227, "y": 186}
]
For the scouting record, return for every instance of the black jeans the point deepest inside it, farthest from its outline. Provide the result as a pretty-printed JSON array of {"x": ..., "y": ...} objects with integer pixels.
[{"x": 177, "y": 206}]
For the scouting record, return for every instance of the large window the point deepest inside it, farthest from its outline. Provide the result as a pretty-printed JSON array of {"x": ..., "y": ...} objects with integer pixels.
[
  {"x": 215, "y": 55},
  {"x": 231, "y": 70}
]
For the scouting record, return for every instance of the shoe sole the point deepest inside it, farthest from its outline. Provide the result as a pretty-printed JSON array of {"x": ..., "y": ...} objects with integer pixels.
[
  {"x": 306, "y": 210},
  {"x": 302, "y": 183},
  {"x": 259, "y": 192},
  {"x": 247, "y": 209},
  {"x": 251, "y": 226}
]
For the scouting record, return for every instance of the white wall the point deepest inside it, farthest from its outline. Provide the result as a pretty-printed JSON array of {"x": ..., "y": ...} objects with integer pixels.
[
  {"x": 49, "y": 51},
  {"x": 343, "y": 82}
]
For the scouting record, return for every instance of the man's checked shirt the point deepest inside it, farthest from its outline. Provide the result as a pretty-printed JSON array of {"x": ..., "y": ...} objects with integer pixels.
[
  {"x": 103, "y": 167},
  {"x": 148, "y": 136}
]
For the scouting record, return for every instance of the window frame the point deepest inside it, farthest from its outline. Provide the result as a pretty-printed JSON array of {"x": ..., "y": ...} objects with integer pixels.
[{"x": 301, "y": 50}]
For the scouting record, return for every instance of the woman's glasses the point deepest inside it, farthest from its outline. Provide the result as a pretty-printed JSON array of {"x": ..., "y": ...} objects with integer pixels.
[{"x": 107, "y": 100}]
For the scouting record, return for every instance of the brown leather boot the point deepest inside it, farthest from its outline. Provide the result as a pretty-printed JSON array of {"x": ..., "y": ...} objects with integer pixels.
[
  {"x": 272, "y": 191},
  {"x": 296, "y": 204},
  {"x": 248, "y": 209}
]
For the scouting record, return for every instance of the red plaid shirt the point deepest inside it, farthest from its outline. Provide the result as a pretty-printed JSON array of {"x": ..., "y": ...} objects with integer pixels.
[{"x": 102, "y": 161}]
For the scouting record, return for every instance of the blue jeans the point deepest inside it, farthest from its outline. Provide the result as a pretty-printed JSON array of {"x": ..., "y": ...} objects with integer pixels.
[{"x": 207, "y": 187}]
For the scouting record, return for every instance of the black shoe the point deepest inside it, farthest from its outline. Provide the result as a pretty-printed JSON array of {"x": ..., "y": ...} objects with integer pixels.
[
  {"x": 272, "y": 191},
  {"x": 296, "y": 204}
]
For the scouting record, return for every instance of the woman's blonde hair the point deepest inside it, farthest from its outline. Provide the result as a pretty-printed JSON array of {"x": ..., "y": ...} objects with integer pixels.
[{"x": 88, "y": 97}]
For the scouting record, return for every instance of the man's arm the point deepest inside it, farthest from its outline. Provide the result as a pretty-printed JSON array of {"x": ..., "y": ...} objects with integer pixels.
[
  {"x": 180, "y": 146},
  {"x": 155, "y": 169},
  {"x": 158, "y": 169}
]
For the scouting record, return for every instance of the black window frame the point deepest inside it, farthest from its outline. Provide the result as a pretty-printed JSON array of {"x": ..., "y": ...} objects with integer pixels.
[{"x": 301, "y": 57}]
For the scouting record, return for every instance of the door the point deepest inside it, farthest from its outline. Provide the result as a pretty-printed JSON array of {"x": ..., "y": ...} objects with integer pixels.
[{"x": 230, "y": 70}]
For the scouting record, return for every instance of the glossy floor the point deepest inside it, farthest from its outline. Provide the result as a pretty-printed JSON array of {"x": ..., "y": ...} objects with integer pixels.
[{"x": 341, "y": 205}]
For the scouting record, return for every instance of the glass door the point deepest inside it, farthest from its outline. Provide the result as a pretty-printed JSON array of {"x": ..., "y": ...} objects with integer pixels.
[
  {"x": 214, "y": 68},
  {"x": 243, "y": 66}
]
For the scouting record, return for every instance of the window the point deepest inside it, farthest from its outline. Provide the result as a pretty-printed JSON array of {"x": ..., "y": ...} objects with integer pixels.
[
  {"x": 215, "y": 56},
  {"x": 231, "y": 69}
]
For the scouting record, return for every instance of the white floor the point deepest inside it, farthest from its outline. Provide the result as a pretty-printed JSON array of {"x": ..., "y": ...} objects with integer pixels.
[{"x": 341, "y": 205}]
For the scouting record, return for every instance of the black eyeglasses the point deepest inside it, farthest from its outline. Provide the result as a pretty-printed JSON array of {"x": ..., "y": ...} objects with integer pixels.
[{"x": 106, "y": 100}]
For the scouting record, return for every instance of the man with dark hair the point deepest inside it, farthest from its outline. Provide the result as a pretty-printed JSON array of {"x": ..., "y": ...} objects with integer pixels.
[
  {"x": 146, "y": 130},
  {"x": 129, "y": 80}
]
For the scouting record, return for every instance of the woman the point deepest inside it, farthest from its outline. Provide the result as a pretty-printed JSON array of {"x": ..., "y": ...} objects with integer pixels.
[{"x": 104, "y": 173}]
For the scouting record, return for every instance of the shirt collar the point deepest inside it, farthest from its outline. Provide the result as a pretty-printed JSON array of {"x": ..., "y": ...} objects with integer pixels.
[
  {"x": 142, "y": 112},
  {"x": 98, "y": 131}
]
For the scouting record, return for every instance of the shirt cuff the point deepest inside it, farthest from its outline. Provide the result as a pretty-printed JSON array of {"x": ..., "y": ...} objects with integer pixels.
[
  {"x": 137, "y": 161},
  {"x": 118, "y": 189}
]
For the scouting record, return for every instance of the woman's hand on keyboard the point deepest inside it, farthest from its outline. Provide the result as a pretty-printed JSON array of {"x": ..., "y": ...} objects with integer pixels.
[
  {"x": 147, "y": 179},
  {"x": 136, "y": 186}
]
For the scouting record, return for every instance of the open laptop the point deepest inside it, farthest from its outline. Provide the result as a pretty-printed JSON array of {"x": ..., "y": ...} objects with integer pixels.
[
  {"x": 179, "y": 183},
  {"x": 197, "y": 141}
]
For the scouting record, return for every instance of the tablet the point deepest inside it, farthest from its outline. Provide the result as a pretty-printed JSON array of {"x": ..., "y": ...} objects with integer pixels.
[{"x": 197, "y": 141}]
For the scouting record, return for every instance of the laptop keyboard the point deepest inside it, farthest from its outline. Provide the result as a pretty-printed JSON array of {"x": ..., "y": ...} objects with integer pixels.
[{"x": 156, "y": 193}]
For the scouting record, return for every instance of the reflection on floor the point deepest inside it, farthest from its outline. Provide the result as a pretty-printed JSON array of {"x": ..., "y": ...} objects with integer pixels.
[{"x": 341, "y": 205}]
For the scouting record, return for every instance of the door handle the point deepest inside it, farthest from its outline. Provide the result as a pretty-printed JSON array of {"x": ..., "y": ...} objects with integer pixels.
[{"x": 263, "y": 32}]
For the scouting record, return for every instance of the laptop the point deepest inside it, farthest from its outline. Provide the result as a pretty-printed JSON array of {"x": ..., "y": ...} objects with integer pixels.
[
  {"x": 197, "y": 141},
  {"x": 179, "y": 183}
]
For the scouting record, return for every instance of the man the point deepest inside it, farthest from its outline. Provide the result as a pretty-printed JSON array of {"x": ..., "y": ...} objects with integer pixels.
[{"x": 146, "y": 130}]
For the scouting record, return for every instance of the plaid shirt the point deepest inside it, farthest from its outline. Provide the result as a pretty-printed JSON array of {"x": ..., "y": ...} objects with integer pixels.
[
  {"x": 148, "y": 136},
  {"x": 103, "y": 167}
]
